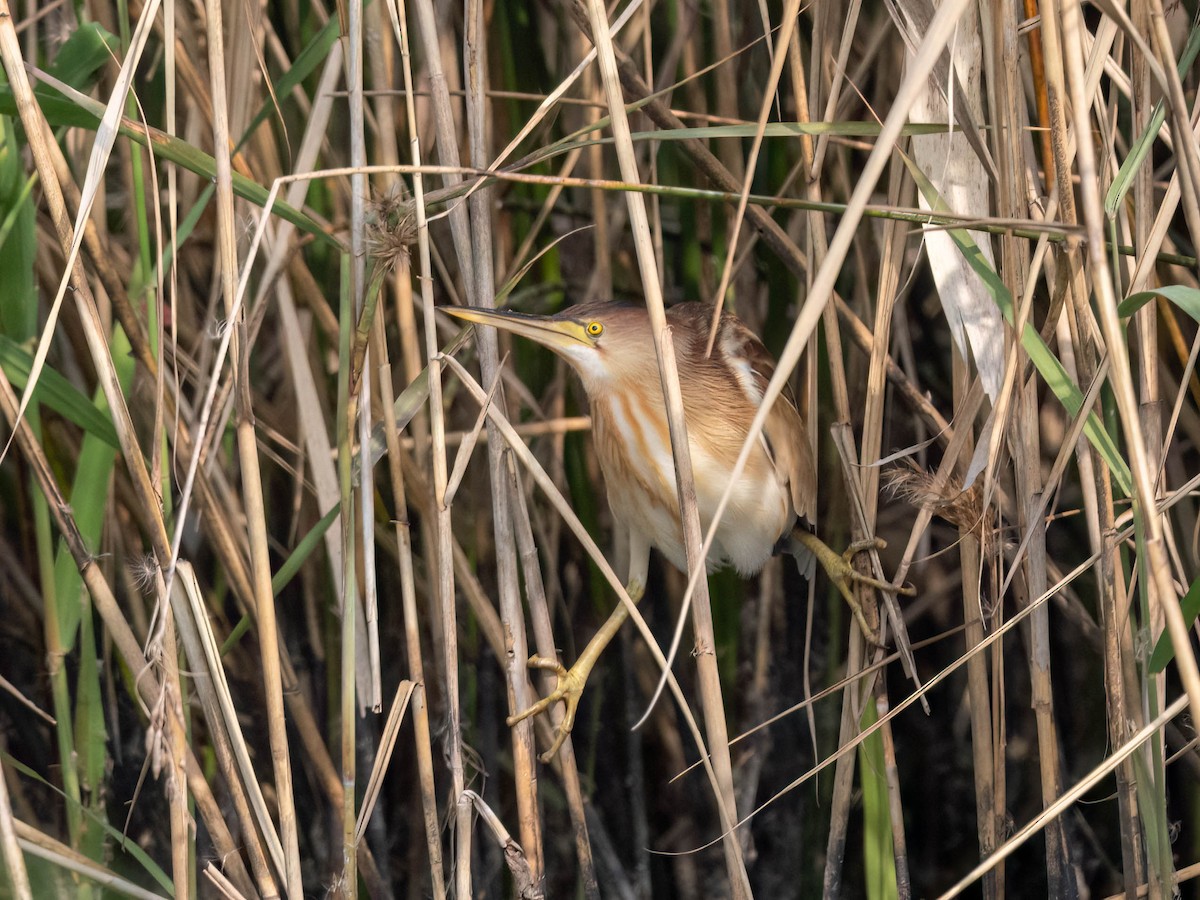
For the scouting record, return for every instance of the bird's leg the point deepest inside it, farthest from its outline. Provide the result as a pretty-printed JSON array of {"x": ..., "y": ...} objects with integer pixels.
[
  {"x": 571, "y": 681},
  {"x": 842, "y": 573}
]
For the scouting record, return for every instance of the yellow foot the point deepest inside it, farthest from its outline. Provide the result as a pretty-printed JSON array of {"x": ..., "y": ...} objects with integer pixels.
[
  {"x": 842, "y": 573},
  {"x": 569, "y": 689},
  {"x": 847, "y": 575}
]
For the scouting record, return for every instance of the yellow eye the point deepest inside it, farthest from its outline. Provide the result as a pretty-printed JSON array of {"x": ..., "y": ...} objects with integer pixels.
[{"x": 595, "y": 329}]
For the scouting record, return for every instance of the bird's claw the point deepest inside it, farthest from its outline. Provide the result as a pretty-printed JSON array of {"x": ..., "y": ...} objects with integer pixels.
[
  {"x": 871, "y": 543},
  {"x": 569, "y": 689},
  {"x": 875, "y": 543},
  {"x": 848, "y": 575}
]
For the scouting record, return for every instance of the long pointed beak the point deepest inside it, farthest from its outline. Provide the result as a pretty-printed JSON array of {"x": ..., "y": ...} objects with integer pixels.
[{"x": 557, "y": 334}]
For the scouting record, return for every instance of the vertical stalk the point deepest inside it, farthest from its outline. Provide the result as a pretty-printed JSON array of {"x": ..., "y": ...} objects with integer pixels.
[
  {"x": 539, "y": 613},
  {"x": 256, "y": 524},
  {"x": 60, "y": 689},
  {"x": 1150, "y": 400},
  {"x": 346, "y": 417},
  {"x": 1076, "y": 309},
  {"x": 10, "y": 850},
  {"x": 1154, "y": 567},
  {"x": 367, "y": 629},
  {"x": 182, "y": 845},
  {"x": 444, "y": 576},
  {"x": 981, "y": 704},
  {"x": 1059, "y": 872},
  {"x": 1006, "y": 101},
  {"x": 710, "y": 683},
  {"x": 483, "y": 293},
  {"x": 408, "y": 599}
]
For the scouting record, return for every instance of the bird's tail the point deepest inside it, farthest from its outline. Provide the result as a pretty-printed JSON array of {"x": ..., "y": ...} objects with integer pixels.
[{"x": 806, "y": 560}]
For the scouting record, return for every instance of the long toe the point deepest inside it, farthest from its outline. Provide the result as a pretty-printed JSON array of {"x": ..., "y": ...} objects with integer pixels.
[
  {"x": 856, "y": 577},
  {"x": 568, "y": 689},
  {"x": 845, "y": 576}
]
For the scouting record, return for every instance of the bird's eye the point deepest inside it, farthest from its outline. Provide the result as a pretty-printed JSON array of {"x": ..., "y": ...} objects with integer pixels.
[{"x": 595, "y": 329}]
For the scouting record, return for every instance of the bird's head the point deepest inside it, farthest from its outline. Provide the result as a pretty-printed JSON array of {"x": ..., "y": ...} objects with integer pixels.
[{"x": 602, "y": 341}]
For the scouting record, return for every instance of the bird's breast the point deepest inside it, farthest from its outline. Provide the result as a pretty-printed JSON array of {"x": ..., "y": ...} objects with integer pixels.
[{"x": 634, "y": 450}]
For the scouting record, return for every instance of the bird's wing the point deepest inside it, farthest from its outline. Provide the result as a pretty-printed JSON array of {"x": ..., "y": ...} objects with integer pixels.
[{"x": 784, "y": 434}]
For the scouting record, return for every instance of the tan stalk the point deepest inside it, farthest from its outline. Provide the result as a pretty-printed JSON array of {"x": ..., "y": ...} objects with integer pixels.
[
  {"x": 444, "y": 552},
  {"x": 524, "y": 882},
  {"x": 408, "y": 599},
  {"x": 1025, "y": 446},
  {"x": 346, "y": 883},
  {"x": 1006, "y": 99},
  {"x": 208, "y": 678},
  {"x": 895, "y": 800},
  {"x": 387, "y": 744},
  {"x": 723, "y": 26},
  {"x": 843, "y": 776},
  {"x": 483, "y": 292},
  {"x": 1026, "y": 449},
  {"x": 836, "y": 74},
  {"x": 539, "y": 614},
  {"x": 366, "y": 624},
  {"x": 868, "y": 473},
  {"x": 10, "y": 849},
  {"x": 358, "y": 520},
  {"x": 222, "y": 884},
  {"x": 176, "y": 784},
  {"x": 445, "y": 626},
  {"x": 256, "y": 525},
  {"x": 601, "y": 282},
  {"x": 447, "y": 139},
  {"x": 710, "y": 684}
]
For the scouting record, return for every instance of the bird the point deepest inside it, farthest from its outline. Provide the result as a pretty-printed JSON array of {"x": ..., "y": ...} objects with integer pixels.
[{"x": 610, "y": 346}]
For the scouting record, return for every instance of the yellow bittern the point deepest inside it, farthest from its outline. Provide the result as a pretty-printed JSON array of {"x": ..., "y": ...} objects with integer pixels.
[{"x": 611, "y": 347}]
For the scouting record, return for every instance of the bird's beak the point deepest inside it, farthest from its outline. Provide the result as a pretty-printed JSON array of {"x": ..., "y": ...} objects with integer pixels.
[{"x": 557, "y": 334}]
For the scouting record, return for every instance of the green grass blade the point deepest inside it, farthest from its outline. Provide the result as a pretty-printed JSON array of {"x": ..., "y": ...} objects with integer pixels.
[
  {"x": 1186, "y": 298},
  {"x": 56, "y": 392},
  {"x": 879, "y": 860},
  {"x": 1164, "y": 650},
  {"x": 303, "y": 66},
  {"x": 83, "y": 54}
]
